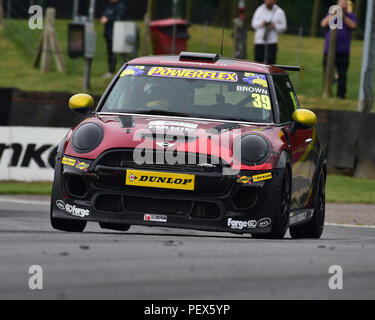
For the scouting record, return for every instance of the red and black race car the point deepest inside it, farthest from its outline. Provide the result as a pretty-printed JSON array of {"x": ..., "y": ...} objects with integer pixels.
[{"x": 193, "y": 141}]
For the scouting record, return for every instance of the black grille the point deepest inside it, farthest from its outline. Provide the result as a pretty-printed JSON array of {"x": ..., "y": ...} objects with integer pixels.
[
  {"x": 203, "y": 184},
  {"x": 158, "y": 206},
  {"x": 186, "y": 162}
]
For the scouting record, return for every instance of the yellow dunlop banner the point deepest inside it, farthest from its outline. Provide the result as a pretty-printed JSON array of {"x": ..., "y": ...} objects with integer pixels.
[{"x": 162, "y": 180}]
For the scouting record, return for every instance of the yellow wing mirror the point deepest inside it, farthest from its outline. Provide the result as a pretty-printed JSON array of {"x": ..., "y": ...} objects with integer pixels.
[
  {"x": 81, "y": 103},
  {"x": 305, "y": 118}
]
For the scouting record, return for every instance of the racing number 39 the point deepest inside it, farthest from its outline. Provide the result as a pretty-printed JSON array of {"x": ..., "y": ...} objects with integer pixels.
[{"x": 261, "y": 101}]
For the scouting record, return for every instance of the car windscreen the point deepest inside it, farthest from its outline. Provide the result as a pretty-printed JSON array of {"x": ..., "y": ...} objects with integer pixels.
[{"x": 198, "y": 93}]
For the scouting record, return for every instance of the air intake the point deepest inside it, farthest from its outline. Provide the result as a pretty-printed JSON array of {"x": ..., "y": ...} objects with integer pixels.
[{"x": 196, "y": 56}]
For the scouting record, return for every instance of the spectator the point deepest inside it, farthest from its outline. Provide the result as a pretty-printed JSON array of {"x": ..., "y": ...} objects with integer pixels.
[
  {"x": 269, "y": 21},
  {"x": 344, "y": 38},
  {"x": 114, "y": 11}
]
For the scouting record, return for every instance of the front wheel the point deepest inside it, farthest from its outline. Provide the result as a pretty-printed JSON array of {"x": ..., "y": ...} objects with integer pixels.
[
  {"x": 314, "y": 228},
  {"x": 280, "y": 223}
]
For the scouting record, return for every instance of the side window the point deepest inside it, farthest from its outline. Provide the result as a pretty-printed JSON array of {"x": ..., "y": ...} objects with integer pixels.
[{"x": 286, "y": 97}]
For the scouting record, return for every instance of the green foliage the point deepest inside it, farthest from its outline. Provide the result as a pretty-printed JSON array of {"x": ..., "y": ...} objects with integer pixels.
[
  {"x": 14, "y": 188},
  {"x": 350, "y": 190}
]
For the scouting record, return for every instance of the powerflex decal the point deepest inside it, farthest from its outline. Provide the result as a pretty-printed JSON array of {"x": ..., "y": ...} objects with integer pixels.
[{"x": 180, "y": 73}]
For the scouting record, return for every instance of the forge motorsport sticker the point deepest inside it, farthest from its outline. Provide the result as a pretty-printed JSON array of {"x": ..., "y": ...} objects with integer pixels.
[
  {"x": 251, "y": 224},
  {"x": 72, "y": 209}
]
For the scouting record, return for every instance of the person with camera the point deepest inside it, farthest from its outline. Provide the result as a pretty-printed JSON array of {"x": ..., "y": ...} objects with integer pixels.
[{"x": 269, "y": 21}]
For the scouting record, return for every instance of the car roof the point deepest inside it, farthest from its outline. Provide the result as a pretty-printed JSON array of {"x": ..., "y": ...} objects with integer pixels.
[{"x": 220, "y": 64}]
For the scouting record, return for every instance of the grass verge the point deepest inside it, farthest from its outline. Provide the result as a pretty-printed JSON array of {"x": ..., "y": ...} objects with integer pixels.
[
  {"x": 340, "y": 189},
  {"x": 21, "y": 188}
]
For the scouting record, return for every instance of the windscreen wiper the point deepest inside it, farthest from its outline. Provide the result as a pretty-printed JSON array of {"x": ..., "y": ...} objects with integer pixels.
[{"x": 163, "y": 113}]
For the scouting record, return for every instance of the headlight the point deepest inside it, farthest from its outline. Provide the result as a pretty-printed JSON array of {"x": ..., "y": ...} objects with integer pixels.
[
  {"x": 87, "y": 137},
  {"x": 252, "y": 150}
]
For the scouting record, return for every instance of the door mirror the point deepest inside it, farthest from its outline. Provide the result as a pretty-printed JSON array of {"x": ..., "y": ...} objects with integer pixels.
[
  {"x": 305, "y": 118},
  {"x": 81, "y": 103}
]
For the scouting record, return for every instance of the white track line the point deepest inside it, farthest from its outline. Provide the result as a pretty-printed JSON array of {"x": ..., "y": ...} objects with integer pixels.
[{"x": 349, "y": 226}]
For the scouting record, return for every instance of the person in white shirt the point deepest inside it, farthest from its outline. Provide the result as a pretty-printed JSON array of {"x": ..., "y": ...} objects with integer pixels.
[{"x": 269, "y": 21}]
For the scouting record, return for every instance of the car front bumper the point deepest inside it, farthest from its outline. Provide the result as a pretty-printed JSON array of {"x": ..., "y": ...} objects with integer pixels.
[{"x": 87, "y": 191}]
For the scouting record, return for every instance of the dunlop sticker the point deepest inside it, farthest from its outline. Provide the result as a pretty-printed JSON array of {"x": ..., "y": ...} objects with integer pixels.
[
  {"x": 161, "y": 180},
  {"x": 254, "y": 179},
  {"x": 68, "y": 161},
  {"x": 262, "y": 177},
  {"x": 180, "y": 73}
]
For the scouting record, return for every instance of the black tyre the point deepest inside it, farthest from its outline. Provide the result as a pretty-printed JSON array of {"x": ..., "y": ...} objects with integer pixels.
[
  {"x": 113, "y": 226},
  {"x": 280, "y": 222},
  {"x": 314, "y": 228},
  {"x": 68, "y": 225}
]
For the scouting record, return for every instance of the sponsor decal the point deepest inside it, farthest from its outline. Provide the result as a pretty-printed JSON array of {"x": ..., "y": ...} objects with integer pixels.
[
  {"x": 72, "y": 210},
  {"x": 262, "y": 177},
  {"x": 255, "y": 79},
  {"x": 252, "y": 90},
  {"x": 240, "y": 225},
  {"x": 174, "y": 124},
  {"x": 68, "y": 161},
  {"x": 155, "y": 218},
  {"x": 180, "y": 73},
  {"x": 185, "y": 127},
  {"x": 161, "y": 180},
  {"x": 250, "y": 224},
  {"x": 254, "y": 179},
  {"x": 82, "y": 166},
  {"x": 60, "y": 204},
  {"x": 264, "y": 223},
  {"x": 133, "y": 71},
  {"x": 245, "y": 180}
]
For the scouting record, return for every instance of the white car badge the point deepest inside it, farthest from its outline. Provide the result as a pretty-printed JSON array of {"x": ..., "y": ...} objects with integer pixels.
[{"x": 165, "y": 144}]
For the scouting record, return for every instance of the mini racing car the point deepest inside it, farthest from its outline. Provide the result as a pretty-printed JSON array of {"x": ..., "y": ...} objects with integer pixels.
[{"x": 193, "y": 141}]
